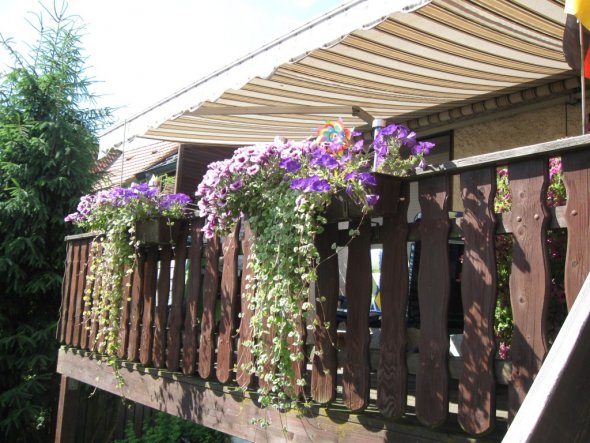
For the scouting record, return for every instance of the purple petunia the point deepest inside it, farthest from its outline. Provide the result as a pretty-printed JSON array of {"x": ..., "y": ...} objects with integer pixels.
[
  {"x": 290, "y": 165},
  {"x": 310, "y": 184},
  {"x": 372, "y": 199}
]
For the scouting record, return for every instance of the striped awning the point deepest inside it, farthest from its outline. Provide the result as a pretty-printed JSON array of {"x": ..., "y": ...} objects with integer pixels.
[{"x": 409, "y": 61}]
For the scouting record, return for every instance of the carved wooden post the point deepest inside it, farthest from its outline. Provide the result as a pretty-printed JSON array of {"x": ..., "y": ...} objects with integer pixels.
[
  {"x": 477, "y": 384},
  {"x": 432, "y": 379},
  {"x": 392, "y": 373},
  {"x": 159, "y": 346},
  {"x": 576, "y": 175},
  {"x": 355, "y": 379},
  {"x": 210, "y": 287},
  {"x": 178, "y": 285},
  {"x": 150, "y": 282},
  {"x": 191, "y": 321},
  {"x": 529, "y": 279},
  {"x": 229, "y": 304},
  {"x": 324, "y": 363},
  {"x": 243, "y": 374}
]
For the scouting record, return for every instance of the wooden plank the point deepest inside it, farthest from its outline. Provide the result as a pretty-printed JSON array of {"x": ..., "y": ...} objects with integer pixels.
[
  {"x": 191, "y": 321},
  {"x": 67, "y": 411},
  {"x": 175, "y": 316},
  {"x": 358, "y": 298},
  {"x": 74, "y": 293},
  {"x": 243, "y": 374},
  {"x": 576, "y": 176},
  {"x": 80, "y": 285},
  {"x": 229, "y": 305},
  {"x": 210, "y": 289},
  {"x": 477, "y": 385},
  {"x": 530, "y": 276},
  {"x": 159, "y": 346},
  {"x": 323, "y": 372},
  {"x": 88, "y": 289},
  {"x": 130, "y": 285},
  {"x": 92, "y": 345},
  {"x": 135, "y": 307},
  {"x": 66, "y": 291},
  {"x": 299, "y": 366},
  {"x": 150, "y": 281},
  {"x": 432, "y": 379},
  {"x": 392, "y": 373},
  {"x": 233, "y": 412},
  {"x": 562, "y": 386}
]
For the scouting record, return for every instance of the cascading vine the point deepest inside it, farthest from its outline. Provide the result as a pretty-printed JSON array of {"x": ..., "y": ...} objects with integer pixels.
[{"x": 283, "y": 189}]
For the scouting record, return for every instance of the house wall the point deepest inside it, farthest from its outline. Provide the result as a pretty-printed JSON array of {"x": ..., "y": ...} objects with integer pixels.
[{"x": 527, "y": 128}]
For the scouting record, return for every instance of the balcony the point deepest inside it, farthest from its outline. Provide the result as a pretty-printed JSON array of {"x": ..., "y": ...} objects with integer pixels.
[{"x": 183, "y": 321}]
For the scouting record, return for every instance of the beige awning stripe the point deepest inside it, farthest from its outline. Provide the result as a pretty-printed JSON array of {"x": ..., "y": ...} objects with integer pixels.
[{"x": 446, "y": 61}]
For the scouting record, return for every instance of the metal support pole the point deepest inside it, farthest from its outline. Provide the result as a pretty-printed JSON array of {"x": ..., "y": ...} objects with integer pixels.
[
  {"x": 378, "y": 124},
  {"x": 582, "y": 77}
]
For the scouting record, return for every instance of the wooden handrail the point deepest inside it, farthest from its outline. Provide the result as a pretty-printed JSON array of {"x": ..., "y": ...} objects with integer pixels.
[{"x": 561, "y": 385}]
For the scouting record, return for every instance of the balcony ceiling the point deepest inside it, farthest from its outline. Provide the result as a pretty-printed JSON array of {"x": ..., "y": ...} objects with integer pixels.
[{"x": 399, "y": 60}]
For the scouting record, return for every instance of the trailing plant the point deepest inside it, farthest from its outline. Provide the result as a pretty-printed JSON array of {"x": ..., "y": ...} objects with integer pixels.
[
  {"x": 48, "y": 146},
  {"x": 114, "y": 215},
  {"x": 556, "y": 244},
  {"x": 170, "y": 429},
  {"x": 283, "y": 189}
]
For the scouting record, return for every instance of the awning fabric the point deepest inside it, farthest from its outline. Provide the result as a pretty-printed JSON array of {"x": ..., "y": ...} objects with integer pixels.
[{"x": 402, "y": 60}]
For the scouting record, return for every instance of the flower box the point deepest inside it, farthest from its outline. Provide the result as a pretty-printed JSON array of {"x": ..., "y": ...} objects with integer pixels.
[
  {"x": 388, "y": 189},
  {"x": 161, "y": 230}
]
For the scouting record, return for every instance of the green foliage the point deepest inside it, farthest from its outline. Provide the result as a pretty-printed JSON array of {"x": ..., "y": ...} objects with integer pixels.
[
  {"x": 170, "y": 429},
  {"x": 47, "y": 149}
]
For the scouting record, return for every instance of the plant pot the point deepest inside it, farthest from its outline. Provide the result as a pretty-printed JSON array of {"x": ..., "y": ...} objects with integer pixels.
[
  {"x": 388, "y": 189},
  {"x": 161, "y": 230}
]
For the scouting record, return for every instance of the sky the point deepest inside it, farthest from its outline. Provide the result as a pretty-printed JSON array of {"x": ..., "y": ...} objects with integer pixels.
[{"x": 141, "y": 51}]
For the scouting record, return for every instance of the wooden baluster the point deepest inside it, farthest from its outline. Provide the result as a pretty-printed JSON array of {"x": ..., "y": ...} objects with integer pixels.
[
  {"x": 74, "y": 295},
  {"x": 66, "y": 291},
  {"x": 92, "y": 345},
  {"x": 576, "y": 176},
  {"x": 175, "y": 318},
  {"x": 191, "y": 321},
  {"x": 477, "y": 384},
  {"x": 356, "y": 382},
  {"x": 243, "y": 374},
  {"x": 88, "y": 288},
  {"x": 135, "y": 307},
  {"x": 150, "y": 281},
  {"x": 130, "y": 280},
  {"x": 530, "y": 276},
  {"x": 81, "y": 285},
  {"x": 324, "y": 363},
  {"x": 159, "y": 347},
  {"x": 210, "y": 288},
  {"x": 432, "y": 379},
  {"x": 298, "y": 365},
  {"x": 392, "y": 372},
  {"x": 229, "y": 304}
]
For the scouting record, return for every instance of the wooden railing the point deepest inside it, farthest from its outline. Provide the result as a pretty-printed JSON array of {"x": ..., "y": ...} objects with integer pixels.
[{"x": 183, "y": 305}]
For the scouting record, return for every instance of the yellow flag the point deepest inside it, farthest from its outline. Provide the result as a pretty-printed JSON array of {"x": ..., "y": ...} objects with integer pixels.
[{"x": 579, "y": 8}]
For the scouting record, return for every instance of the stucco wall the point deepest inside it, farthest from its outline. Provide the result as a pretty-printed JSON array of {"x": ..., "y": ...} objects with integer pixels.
[{"x": 528, "y": 128}]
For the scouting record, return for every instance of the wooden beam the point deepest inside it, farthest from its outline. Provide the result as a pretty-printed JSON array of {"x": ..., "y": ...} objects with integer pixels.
[
  {"x": 231, "y": 411},
  {"x": 65, "y": 431},
  {"x": 557, "y": 405}
]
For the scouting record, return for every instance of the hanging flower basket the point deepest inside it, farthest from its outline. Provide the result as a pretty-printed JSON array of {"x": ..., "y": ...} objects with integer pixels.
[
  {"x": 157, "y": 231},
  {"x": 387, "y": 188}
]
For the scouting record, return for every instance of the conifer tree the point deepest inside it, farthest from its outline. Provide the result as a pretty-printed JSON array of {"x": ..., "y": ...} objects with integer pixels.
[{"x": 48, "y": 145}]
